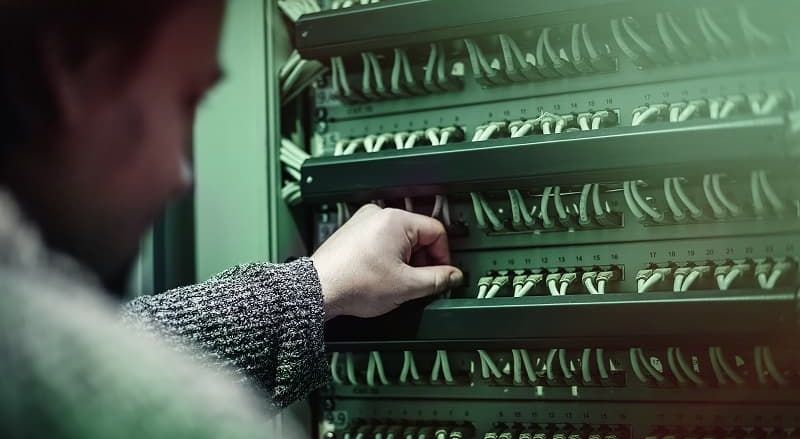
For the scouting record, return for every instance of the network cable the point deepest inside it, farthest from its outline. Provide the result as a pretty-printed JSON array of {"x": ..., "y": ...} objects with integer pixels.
[
  {"x": 732, "y": 207},
  {"x": 409, "y": 367},
  {"x": 375, "y": 364}
]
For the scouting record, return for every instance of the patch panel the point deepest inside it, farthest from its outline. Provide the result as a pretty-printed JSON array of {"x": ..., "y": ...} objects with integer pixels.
[{"x": 617, "y": 180}]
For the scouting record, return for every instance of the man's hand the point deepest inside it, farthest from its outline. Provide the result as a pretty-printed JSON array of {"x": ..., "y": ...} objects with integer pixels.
[{"x": 382, "y": 258}]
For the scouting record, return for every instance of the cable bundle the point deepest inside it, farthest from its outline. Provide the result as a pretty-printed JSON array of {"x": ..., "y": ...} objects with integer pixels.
[
  {"x": 297, "y": 73},
  {"x": 292, "y": 157}
]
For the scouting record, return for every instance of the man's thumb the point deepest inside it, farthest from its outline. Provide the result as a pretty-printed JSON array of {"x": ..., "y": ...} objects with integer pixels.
[{"x": 427, "y": 281}]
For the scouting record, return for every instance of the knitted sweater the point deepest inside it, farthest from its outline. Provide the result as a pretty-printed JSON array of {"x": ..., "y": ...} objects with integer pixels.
[{"x": 183, "y": 364}]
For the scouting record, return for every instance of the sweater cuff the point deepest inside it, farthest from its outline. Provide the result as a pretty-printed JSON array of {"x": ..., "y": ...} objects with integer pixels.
[{"x": 301, "y": 365}]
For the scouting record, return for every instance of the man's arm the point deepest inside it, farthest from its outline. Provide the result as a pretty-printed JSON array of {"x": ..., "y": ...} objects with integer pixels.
[{"x": 264, "y": 321}]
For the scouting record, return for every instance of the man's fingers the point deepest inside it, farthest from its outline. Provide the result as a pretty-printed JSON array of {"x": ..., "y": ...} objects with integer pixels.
[
  {"x": 427, "y": 232},
  {"x": 427, "y": 281}
]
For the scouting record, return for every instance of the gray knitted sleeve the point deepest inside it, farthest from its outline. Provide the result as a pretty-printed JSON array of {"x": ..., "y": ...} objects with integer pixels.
[{"x": 263, "y": 321}]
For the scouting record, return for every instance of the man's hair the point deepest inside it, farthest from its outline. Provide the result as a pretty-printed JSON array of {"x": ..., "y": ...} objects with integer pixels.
[{"x": 75, "y": 29}]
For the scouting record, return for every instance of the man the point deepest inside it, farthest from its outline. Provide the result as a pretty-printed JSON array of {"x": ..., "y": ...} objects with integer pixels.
[{"x": 97, "y": 101}]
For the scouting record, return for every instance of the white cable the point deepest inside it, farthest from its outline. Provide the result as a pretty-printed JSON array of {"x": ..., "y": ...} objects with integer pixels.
[
  {"x": 335, "y": 369},
  {"x": 690, "y": 280},
  {"x": 527, "y": 217},
  {"x": 589, "y": 284},
  {"x": 596, "y": 121},
  {"x": 381, "y": 372},
  {"x": 773, "y": 198},
  {"x": 719, "y": 211},
  {"x": 674, "y": 368},
  {"x": 551, "y": 355},
  {"x": 626, "y": 189},
  {"x": 649, "y": 367},
  {"x": 543, "y": 210},
  {"x": 409, "y": 366},
  {"x": 517, "y": 366},
  {"x": 491, "y": 366},
  {"x": 601, "y": 286},
  {"x": 560, "y": 209},
  {"x": 726, "y": 367},
  {"x": 437, "y": 366},
  {"x": 637, "y": 370},
  {"x": 755, "y": 190},
  {"x": 446, "y": 371},
  {"x": 677, "y": 212},
  {"x": 552, "y": 287},
  {"x": 583, "y": 210},
  {"x": 695, "y": 211},
  {"x": 734, "y": 209},
  {"x": 677, "y": 283},
  {"x": 687, "y": 369},
  {"x": 526, "y": 362},
  {"x": 651, "y": 281},
  {"x": 351, "y": 368},
  {"x": 643, "y": 116},
  {"x": 497, "y": 224},
  {"x": 562, "y": 291},
  {"x": 727, "y": 108},
  {"x": 650, "y": 211},
  {"x": 562, "y": 361}
]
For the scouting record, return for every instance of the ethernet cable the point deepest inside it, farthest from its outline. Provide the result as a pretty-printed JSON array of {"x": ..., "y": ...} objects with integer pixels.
[
  {"x": 409, "y": 367},
  {"x": 705, "y": 30},
  {"x": 544, "y": 210},
  {"x": 652, "y": 371},
  {"x": 597, "y": 119},
  {"x": 725, "y": 280},
  {"x": 635, "y": 367},
  {"x": 527, "y": 216},
  {"x": 441, "y": 363},
  {"x": 482, "y": 70},
  {"x": 715, "y": 367},
  {"x": 634, "y": 56},
  {"x": 694, "y": 211},
  {"x": 759, "y": 207},
  {"x": 632, "y": 205},
  {"x": 526, "y": 362},
  {"x": 374, "y": 364},
  {"x": 566, "y": 280},
  {"x": 517, "y": 366},
  {"x": 768, "y": 283},
  {"x": 649, "y": 51},
  {"x": 600, "y": 214},
  {"x": 583, "y": 209},
  {"x": 599, "y": 61},
  {"x": 549, "y": 369},
  {"x": 366, "y": 77},
  {"x": 401, "y": 71},
  {"x": 691, "y": 375},
  {"x": 351, "y": 368},
  {"x": 497, "y": 283},
  {"x": 691, "y": 278},
  {"x": 729, "y": 105},
  {"x": 488, "y": 366},
  {"x": 341, "y": 86},
  {"x": 603, "y": 278},
  {"x": 674, "y": 368},
  {"x": 641, "y": 115},
  {"x": 718, "y": 210},
  {"x": 679, "y": 278},
  {"x": 546, "y": 68},
  {"x": 577, "y": 56},
  {"x": 552, "y": 283},
  {"x": 583, "y": 122},
  {"x": 517, "y": 67},
  {"x": 601, "y": 364},
  {"x": 753, "y": 34},
  {"x": 652, "y": 280},
  {"x": 642, "y": 203},
  {"x": 588, "y": 279},
  {"x": 335, "y": 369},
  {"x": 562, "y": 66},
  {"x": 732, "y": 207},
  {"x": 772, "y": 197},
  {"x": 758, "y": 360},
  {"x": 673, "y": 51},
  {"x": 720, "y": 33},
  {"x": 565, "y": 366},
  {"x": 483, "y": 286},
  {"x": 380, "y": 85},
  {"x": 353, "y": 146},
  {"x": 561, "y": 211},
  {"x": 441, "y": 206},
  {"x": 480, "y": 206},
  {"x": 516, "y": 215},
  {"x": 497, "y": 224},
  {"x": 726, "y": 367},
  {"x": 430, "y": 68},
  {"x": 677, "y": 212},
  {"x": 686, "y": 42},
  {"x": 530, "y": 282},
  {"x": 586, "y": 370}
]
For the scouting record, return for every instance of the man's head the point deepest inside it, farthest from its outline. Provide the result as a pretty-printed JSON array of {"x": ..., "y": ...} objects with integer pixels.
[{"x": 97, "y": 102}]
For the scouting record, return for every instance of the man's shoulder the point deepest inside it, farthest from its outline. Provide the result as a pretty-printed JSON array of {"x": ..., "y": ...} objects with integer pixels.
[{"x": 64, "y": 349}]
